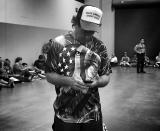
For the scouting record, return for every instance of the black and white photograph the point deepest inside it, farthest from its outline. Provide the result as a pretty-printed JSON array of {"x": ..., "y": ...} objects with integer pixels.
[{"x": 79, "y": 65}]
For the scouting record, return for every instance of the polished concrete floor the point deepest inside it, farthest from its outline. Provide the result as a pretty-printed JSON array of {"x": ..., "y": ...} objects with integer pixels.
[{"x": 131, "y": 102}]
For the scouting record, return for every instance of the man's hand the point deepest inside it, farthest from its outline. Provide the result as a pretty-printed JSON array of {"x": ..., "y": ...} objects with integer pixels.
[
  {"x": 93, "y": 84},
  {"x": 100, "y": 82},
  {"x": 77, "y": 85}
]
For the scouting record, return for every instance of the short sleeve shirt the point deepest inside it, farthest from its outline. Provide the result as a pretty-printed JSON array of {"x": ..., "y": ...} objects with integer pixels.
[{"x": 74, "y": 106}]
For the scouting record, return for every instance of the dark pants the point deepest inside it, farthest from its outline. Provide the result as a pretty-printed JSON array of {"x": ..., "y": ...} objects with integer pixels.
[
  {"x": 140, "y": 62},
  {"x": 59, "y": 125},
  {"x": 4, "y": 78}
]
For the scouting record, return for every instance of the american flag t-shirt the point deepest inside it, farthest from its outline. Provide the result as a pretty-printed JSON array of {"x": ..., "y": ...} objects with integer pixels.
[{"x": 71, "y": 59}]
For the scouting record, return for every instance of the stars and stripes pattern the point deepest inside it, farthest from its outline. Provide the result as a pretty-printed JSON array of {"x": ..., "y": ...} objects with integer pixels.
[
  {"x": 76, "y": 60},
  {"x": 67, "y": 60}
]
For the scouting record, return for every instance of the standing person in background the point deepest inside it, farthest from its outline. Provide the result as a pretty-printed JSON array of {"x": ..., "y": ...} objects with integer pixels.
[
  {"x": 78, "y": 65},
  {"x": 140, "y": 50}
]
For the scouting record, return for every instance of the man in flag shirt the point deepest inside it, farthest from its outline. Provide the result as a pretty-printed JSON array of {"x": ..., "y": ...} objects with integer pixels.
[{"x": 78, "y": 64}]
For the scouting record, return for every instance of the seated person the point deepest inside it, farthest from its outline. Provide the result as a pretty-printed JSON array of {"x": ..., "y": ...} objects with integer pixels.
[
  {"x": 133, "y": 61},
  {"x": 146, "y": 61},
  {"x": 30, "y": 69},
  {"x": 157, "y": 64},
  {"x": 5, "y": 80},
  {"x": 7, "y": 67},
  {"x": 39, "y": 65},
  {"x": 113, "y": 60},
  {"x": 1, "y": 62},
  {"x": 22, "y": 72},
  {"x": 125, "y": 60},
  {"x": 9, "y": 71},
  {"x": 40, "y": 62}
]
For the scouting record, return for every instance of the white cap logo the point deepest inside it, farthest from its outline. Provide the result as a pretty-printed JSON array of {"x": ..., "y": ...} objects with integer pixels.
[{"x": 92, "y": 14}]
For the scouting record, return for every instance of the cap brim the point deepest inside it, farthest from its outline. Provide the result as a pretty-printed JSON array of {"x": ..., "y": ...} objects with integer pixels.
[{"x": 89, "y": 26}]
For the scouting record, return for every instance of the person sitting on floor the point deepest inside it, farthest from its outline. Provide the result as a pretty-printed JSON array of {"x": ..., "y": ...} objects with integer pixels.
[
  {"x": 157, "y": 64},
  {"x": 7, "y": 66},
  {"x": 113, "y": 60},
  {"x": 22, "y": 72},
  {"x": 1, "y": 62},
  {"x": 5, "y": 80},
  {"x": 133, "y": 61},
  {"x": 125, "y": 60},
  {"x": 146, "y": 61},
  {"x": 39, "y": 65},
  {"x": 9, "y": 71}
]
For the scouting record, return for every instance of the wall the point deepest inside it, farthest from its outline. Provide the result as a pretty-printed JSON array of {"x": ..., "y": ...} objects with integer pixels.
[
  {"x": 108, "y": 25},
  {"x": 26, "y": 24},
  {"x": 35, "y": 21},
  {"x": 107, "y": 29},
  {"x": 2, "y": 39},
  {"x": 24, "y": 41},
  {"x": 134, "y": 24},
  {"x": 42, "y": 13},
  {"x": 133, "y": 3}
]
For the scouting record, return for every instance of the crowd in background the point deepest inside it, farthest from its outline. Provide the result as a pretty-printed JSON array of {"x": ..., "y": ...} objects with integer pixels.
[
  {"x": 19, "y": 71},
  {"x": 127, "y": 61}
]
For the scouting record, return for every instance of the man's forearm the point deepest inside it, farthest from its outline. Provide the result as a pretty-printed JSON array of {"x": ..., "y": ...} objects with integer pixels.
[
  {"x": 57, "y": 79},
  {"x": 103, "y": 81}
]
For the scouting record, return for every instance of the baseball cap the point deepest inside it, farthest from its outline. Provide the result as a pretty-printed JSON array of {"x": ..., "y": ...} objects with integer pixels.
[{"x": 90, "y": 17}]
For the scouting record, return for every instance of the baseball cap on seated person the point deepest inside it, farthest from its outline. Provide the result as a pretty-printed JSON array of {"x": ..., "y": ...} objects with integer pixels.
[{"x": 89, "y": 18}]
